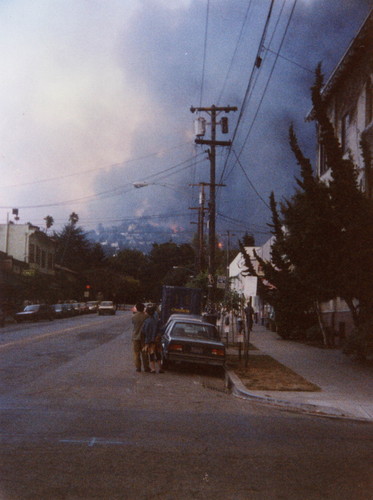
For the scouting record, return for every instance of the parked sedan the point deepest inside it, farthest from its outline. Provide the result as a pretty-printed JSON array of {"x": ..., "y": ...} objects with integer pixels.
[
  {"x": 192, "y": 341},
  {"x": 35, "y": 312},
  {"x": 92, "y": 306},
  {"x": 106, "y": 307}
]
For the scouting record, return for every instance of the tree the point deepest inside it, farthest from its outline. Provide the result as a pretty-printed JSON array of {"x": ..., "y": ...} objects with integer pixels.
[
  {"x": 73, "y": 218},
  {"x": 279, "y": 285},
  {"x": 49, "y": 221},
  {"x": 73, "y": 248},
  {"x": 162, "y": 259},
  {"x": 248, "y": 240},
  {"x": 129, "y": 262}
]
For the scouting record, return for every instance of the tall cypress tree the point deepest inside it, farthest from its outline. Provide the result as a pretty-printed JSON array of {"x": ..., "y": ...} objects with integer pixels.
[{"x": 279, "y": 284}]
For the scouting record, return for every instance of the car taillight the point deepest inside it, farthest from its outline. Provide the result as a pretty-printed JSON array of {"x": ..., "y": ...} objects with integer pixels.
[
  {"x": 218, "y": 352},
  {"x": 175, "y": 347}
]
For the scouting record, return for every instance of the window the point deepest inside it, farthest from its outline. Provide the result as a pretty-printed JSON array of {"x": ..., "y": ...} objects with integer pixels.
[{"x": 368, "y": 103}]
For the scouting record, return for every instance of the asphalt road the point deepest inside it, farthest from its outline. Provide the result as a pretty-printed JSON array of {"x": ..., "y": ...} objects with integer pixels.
[{"x": 77, "y": 422}]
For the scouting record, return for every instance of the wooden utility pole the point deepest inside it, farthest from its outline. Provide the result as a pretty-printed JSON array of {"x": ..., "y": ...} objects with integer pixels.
[
  {"x": 201, "y": 225},
  {"x": 229, "y": 234},
  {"x": 213, "y": 111}
]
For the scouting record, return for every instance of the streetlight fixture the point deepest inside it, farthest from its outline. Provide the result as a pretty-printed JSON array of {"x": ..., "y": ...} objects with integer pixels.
[{"x": 140, "y": 184}]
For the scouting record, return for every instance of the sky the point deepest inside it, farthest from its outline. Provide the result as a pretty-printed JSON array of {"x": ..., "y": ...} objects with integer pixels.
[{"x": 95, "y": 96}]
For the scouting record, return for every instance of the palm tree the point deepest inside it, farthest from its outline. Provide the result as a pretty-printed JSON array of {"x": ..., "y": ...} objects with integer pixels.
[{"x": 49, "y": 221}]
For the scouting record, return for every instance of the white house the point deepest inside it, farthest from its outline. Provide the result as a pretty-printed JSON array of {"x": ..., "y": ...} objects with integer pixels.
[
  {"x": 27, "y": 243},
  {"x": 247, "y": 286},
  {"x": 243, "y": 285}
]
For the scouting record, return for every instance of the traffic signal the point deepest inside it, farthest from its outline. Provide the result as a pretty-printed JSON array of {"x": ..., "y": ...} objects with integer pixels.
[{"x": 224, "y": 125}]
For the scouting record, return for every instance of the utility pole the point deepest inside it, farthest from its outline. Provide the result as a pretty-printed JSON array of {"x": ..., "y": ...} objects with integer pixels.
[
  {"x": 229, "y": 234},
  {"x": 213, "y": 111},
  {"x": 201, "y": 226}
]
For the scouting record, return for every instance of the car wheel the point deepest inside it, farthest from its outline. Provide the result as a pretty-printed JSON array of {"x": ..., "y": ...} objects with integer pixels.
[{"x": 220, "y": 371}]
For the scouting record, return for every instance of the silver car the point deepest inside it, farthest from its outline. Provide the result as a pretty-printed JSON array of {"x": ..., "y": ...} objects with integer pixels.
[
  {"x": 106, "y": 307},
  {"x": 192, "y": 341}
]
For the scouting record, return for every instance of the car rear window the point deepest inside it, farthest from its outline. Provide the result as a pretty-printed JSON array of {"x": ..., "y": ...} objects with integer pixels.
[
  {"x": 32, "y": 308},
  {"x": 195, "y": 330}
]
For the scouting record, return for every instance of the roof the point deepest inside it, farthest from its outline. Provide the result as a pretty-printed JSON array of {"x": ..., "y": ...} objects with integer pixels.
[
  {"x": 357, "y": 47},
  {"x": 359, "y": 44}
]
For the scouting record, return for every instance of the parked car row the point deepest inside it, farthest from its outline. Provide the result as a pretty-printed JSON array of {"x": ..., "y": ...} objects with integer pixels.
[{"x": 36, "y": 312}]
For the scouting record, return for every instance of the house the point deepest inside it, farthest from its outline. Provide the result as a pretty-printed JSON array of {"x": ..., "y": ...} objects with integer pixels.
[
  {"x": 348, "y": 96},
  {"x": 247, "y": 286},
  {"x": 11, "y": 279},
  {"x": 27, "y": 243},
  {"x": 239, "y": 281}
]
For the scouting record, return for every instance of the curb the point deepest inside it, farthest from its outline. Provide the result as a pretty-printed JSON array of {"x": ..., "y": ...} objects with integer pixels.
[{"x": 234, "y": 383}]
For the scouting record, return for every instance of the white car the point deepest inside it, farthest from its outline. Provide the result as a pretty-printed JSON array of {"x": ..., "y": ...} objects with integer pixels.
[{"x": 106, "y": 307}]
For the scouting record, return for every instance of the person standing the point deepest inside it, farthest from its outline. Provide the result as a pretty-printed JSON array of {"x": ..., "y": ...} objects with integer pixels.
[
  {"x": 150, "y": 330},
  {"x": 138, "y": 343},
  {"x": 249, "y": 313}
]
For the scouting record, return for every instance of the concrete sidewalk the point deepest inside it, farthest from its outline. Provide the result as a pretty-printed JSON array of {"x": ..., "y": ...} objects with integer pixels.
[{"x": 346, "y": 385}]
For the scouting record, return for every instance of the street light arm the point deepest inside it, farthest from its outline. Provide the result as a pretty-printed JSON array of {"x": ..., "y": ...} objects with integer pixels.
[{"x": 138, "y": 185}]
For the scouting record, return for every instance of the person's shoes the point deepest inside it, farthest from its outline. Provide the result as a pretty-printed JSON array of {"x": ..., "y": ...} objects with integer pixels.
[
  {"x": 153, "y": 371},
  {"x": 161, "y": 371},
  {"x": 147, "y": 370},
  {"x": 138, "y": 369}
]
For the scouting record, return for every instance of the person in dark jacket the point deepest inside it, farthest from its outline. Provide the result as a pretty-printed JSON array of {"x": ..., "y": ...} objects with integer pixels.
[
  {"x": 249, "y": 313},
  {"x": 138, "y": 342},
  {"x": 151, "y": 338}
]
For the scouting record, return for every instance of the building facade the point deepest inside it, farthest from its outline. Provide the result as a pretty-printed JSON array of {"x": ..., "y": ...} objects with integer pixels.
[
  {"x": 27, "y": 243},
  {"x": 247, "y": 286},
  {"x": 348, "y": 95}
]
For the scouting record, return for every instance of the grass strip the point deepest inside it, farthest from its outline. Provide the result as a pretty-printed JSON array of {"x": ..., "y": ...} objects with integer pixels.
[{"x": 264, "y": 373}]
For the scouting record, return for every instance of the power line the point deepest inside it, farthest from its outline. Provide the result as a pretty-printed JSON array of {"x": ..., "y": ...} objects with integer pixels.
[
  {"x": 204, "y": 51},
  {"x": 259, "y": 107},
  {"x": 235, "y": 50},
  {"x": 289, "y": 60},
  {"x": 249, "y": 180},
  {"x": 250, "y": 227},
  {"x": 92, "y": 170},
  {"x": 256, "y": 66},
  {"x": 269, "y": 79},
  {"x": 119, "y": 190}
]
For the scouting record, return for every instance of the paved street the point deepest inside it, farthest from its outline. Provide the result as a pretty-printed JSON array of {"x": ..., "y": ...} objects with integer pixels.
[{"x": 77, "y": 422}]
